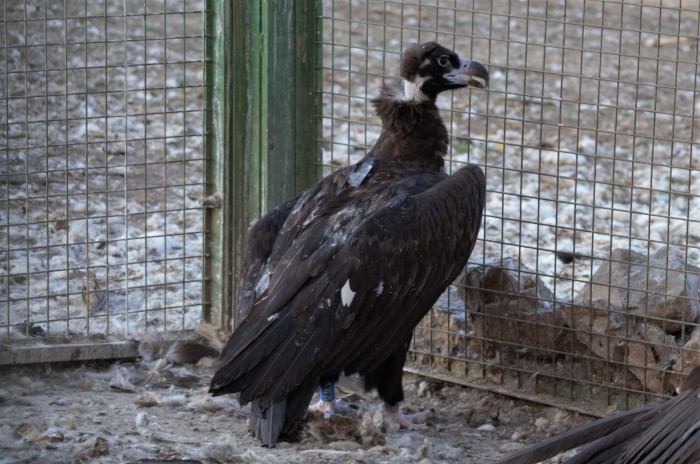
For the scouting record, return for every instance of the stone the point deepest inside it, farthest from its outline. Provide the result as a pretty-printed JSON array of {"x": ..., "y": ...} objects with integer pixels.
[
  {"x": 595, "y": 325},
  {"x": 662, "y": 287},
  {"x": 616, "y": 336},
  {"x": 442, "y": 331},
  {"x": 507, "y": 302},
  {"x": 690, "y": 354}
]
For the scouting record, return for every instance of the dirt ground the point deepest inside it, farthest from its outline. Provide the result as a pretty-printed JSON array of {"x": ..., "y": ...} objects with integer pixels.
[{"x": 149, "y": 410}]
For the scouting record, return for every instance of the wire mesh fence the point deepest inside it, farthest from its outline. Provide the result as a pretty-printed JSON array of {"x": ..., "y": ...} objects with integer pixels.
[
  {"x": 584, "y": 283},
  {"x": 585, "y": 280},
  {"x": 101, "y": 166}
]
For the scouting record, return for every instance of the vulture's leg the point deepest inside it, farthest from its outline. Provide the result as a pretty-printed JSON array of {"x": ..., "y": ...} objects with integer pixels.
[
  {"x": 387, "y": 380},
  {"x": 328, "y": 404}
]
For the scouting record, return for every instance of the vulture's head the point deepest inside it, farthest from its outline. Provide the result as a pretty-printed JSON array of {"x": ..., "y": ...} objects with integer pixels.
[{"x": 429, "y": 68}]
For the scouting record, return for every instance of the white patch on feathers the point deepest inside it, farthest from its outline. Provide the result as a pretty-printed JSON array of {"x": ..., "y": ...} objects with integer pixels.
[
  {"x": 413, "y": 90},
  {"x": 264, "y": 281},
  {"x": 380, "y": 288},
  {"x": 312, "y": 215},
  {"x": 360, "y": 172},
  {"x": 346, "y": 294},
  {"x": 273, "y": 317}
]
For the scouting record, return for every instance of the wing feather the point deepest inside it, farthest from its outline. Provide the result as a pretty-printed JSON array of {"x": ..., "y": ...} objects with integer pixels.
[
  {"x": 259, "y": 243},
  {"x": 397, "y": 247},
  {"x": 270, "y": 377},
  {"x": 302, "y": 358},
  {"x": 243, "y": 353},
  {"x": 443, "y": 221}
]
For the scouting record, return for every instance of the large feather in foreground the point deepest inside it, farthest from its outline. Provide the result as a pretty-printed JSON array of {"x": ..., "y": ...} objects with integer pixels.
[{"x": 657, "y": 433}]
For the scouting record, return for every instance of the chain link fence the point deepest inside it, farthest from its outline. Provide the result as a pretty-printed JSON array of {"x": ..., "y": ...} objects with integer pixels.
[
  {"x": 101, "y": 167},
  {"x": 584, "y": 283}
]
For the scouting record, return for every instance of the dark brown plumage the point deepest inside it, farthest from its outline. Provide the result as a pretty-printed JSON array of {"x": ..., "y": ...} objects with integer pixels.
[
  {"x": 654, "y": 434},
  {"x": 335, "y": 280}
]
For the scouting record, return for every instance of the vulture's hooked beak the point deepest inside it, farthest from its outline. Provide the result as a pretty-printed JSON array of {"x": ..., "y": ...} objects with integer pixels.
[{"x": 469, "y": 73}]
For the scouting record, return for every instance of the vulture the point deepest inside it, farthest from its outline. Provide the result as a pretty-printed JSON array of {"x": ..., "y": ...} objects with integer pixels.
[
  {"x": 667, "y": 433},
  {"x": 335, "y": 280}
]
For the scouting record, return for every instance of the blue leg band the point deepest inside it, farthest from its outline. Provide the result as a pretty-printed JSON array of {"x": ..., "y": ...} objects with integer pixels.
[{"x": 327, "y": 391}]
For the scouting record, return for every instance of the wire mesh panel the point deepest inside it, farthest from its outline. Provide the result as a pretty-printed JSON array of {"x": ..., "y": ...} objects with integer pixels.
[
  {"x": 584, "y": 282},
  {"x": 101, "y": 166}
]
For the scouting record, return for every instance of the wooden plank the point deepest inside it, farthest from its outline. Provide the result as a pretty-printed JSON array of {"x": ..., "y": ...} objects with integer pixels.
[
  {"x": 254, "y": 59},
  {"x": 83, "y": 348},
  {"x": 281, "y": 84},
  {"x": 85, "y": 351},
  {"x": 239, "y": 175},
  {"x": 270, "y": 102},
  {"x": 220, "y": 137},
  {"x": 289, "y": 101},
  {"x": 246, "y": 151},
  {"x": 591, "y": 409},
  {"x": 308, "y": 76}
]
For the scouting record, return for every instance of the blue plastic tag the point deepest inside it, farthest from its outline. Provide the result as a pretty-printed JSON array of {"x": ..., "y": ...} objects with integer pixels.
[{"x": 327, "y": 391}]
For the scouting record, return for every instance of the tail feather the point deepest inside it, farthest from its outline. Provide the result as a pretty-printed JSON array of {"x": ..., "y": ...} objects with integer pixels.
[
  {"x": 282, "y": 418},
  {"x": 267, "y": 425}
]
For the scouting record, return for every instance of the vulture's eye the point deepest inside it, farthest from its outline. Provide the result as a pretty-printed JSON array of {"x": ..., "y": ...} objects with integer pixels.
[{"x": 443, "y": 60}]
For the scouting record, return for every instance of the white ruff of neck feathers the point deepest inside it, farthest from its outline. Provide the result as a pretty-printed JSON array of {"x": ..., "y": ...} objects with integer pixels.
[{"x": 412, "y": 90}]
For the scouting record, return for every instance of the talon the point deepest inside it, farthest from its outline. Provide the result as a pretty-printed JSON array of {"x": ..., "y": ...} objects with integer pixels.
[
  {"x": 328, "y": 408},
  {"x": 411, "y": 421},
  {"x": 326, "y": 391}
]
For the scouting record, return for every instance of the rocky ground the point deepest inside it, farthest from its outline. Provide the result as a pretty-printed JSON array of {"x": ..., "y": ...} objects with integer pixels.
[{"x": 153, "y": 411}]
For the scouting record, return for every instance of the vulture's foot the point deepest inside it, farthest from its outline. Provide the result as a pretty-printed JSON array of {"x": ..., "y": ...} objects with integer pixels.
[
  {"x": 410, "y": 421},
  {"x": 328, "y": 408}
]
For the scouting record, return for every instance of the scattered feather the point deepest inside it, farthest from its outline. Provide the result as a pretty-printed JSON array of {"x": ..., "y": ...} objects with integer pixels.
[
  {"x": 121, "y": 382},
  {"x": 486, "y": 428},
  {"x": 173, "y": 400}
]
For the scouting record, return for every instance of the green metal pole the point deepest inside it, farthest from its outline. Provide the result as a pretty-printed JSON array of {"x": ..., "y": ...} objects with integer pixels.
[{"x": 262, "y": 133}]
